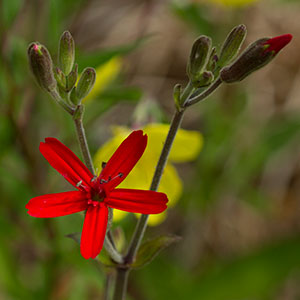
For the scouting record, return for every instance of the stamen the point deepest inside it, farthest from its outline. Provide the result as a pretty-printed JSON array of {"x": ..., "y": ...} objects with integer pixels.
[
  {"x": 94, "y": 178},
  {"x": 120, "y": 175},
  {"x": 79, "y": 183}
]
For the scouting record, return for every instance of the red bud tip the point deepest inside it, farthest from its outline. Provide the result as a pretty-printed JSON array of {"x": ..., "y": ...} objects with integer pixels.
[{"x": 277, "y": 43}]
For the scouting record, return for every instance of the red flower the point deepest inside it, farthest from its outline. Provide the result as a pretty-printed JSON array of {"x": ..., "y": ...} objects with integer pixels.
[
  {"x": 277, "y": 43},
  {"x": 95, "y": 194}
]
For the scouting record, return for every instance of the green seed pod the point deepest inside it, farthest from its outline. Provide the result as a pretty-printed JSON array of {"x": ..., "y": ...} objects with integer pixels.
[
  {"x": 85, "y": 83},
  {"x": 232, "y": 45},
  {"x": 198, "y": 57},
  {"x": 41, "y": 66},
  {"x": 66, "y": 52}
]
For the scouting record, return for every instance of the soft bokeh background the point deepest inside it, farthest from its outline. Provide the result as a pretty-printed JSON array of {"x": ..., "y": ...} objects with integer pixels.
[{"x": 239, "y": 214}]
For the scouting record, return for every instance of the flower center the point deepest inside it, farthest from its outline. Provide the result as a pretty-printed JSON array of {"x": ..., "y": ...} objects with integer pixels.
[{"x": 97, "y": 195}]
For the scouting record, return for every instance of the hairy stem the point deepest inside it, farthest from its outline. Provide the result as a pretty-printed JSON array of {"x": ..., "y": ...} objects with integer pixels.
[
  {"x": 55, "y": 96},
  {"x": 82, "y": 138},
  {"x": 121, "y": 282},
  {"x": 199, "y": 97},
  {"x": 122, "y": 273},
  {"x": 186, "y": 100}
]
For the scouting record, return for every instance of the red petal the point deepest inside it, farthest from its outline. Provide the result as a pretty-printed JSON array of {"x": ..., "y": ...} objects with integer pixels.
[
  {"x": 94, "y": 230},
  {"x": 66, "y": 163},
  {"x": 56, "y": 205},
  {"x": 124, "y": 159},
  {"x": 137, "y": 201}
]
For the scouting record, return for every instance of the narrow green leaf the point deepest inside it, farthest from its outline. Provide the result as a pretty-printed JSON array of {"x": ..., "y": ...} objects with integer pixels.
[{"x": 150, "y": 249}]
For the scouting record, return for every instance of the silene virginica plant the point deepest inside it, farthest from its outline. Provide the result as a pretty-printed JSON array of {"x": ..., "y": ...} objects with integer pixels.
[{"x": 97, "y": 195}]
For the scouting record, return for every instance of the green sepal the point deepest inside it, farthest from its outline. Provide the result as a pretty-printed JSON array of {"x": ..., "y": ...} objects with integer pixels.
[{"x": 150, "y": 249}]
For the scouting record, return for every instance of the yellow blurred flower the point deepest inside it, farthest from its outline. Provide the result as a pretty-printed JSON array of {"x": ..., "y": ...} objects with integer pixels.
[
  {"x": 232, "y": 2},
  {"x": 186, "y": 147},
  {"x": 105, "y": 74}
]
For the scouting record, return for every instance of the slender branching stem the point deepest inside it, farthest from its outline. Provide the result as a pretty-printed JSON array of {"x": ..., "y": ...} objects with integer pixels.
[
  {"x": 113, "y": 253},
  {"x": 121, "y": 283},
  {"x": 199, "y": 97},
  {"x": 55, "y": 96},
  {"x": 186, "y": 100},
  {"x": 78, "y": 116}
]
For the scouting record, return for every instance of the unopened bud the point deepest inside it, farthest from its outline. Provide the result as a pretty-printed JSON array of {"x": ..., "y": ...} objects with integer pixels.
[
  {"x": 66, "y": 52},
  {"x": 60, "y": 77},
  {"x": 257, "y": 55},
  {"x": 198, "y": 57},
  {"x": 73, "y": 97},
  {"x": 85, "y": 83},
  {"x": 72, "y": 78},
  {"x": 41, "y": 66},
  {"x": 232, "y": 45},
  {"x": 212, "y": 61}
]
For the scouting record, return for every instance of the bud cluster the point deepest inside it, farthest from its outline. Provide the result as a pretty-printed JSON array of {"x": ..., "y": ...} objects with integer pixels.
[
  {"x": 208, "y": 69},
  {"x": 61, "y": 79}
]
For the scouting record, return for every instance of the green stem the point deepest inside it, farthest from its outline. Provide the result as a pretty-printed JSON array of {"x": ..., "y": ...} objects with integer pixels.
[
  {"x": 78, "y": 116},
  {"x": 61, "y": 102},
  {"x": 122, "y": 273},
  {"x": 197, "y": 98},
  {"x": 142, "y": 223},
  {"x": 121, "y": 282},
  {"x": 113, "y": 253},
  {"x": 82, "y": 138}
]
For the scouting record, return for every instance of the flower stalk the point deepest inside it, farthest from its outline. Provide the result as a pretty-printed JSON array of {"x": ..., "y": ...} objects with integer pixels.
[{"x": 78, "y": 116}]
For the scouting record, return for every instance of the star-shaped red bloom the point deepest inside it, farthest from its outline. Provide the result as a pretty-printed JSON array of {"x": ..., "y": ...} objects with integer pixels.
[{"x": 95, "y": 194}]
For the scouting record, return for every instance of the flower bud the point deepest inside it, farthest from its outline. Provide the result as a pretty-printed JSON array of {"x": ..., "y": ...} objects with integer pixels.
[
  {"x": 232, "y": 45},
  {"x": 212, "y": 61},
  {"x": 198, "y": 57},
  {"x": 206, "y": 78},
  {"x": 73, "y": 97},
  {"x": 72, "y": 78},
  {"x": 60, "y": 77},
  {"x": 257, "y": 55},
  {"x": 85, "y": 83},
  {"x": 66, "y": 52},
  {"x": 41, "y": 66}
]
